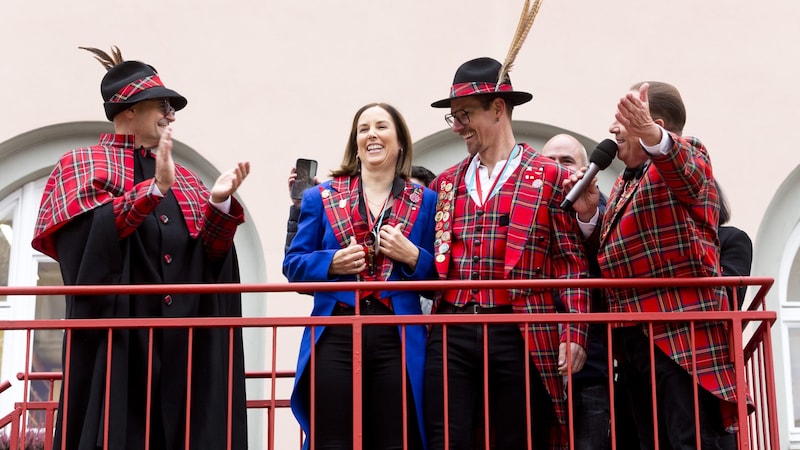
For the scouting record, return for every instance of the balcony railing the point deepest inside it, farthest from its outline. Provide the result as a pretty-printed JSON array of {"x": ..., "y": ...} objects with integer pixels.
[{"x": 749, "y": 339}]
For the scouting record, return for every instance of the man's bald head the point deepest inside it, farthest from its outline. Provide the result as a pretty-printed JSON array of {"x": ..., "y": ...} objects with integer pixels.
[{"x": 566, "y": 150}]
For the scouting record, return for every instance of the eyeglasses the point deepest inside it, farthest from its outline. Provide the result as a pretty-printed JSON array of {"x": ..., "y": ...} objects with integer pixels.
[
  {"x": 166, "y": 107},
  {"x": 462, "y": 116}
]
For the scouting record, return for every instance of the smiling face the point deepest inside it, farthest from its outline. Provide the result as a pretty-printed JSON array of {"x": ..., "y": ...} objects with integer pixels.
[
  {"x": 479, "y": 131},
  {"x": 629, "y": 151},
  {"x": 376, "y": 139},
  {"x": 148, "y": 119}
]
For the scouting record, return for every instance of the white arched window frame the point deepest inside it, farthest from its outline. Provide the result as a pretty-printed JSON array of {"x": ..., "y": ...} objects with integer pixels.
[
  {"x": 777, "y": 254},
  {"x": 788, "y": 286},
  {"x": 18, "y": 213}
]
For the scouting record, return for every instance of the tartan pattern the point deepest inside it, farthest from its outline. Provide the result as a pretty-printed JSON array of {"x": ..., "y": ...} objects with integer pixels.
[
  {"x": 129, "y": 215},
  {"x": 219, "y": 229},
  {"x": 542, "y": 243},
  {"x": 135, "y": 87},
  {"x": 468, "y": 227},
  {"x": 477, "y": 87},
  {"x": 346, "y": 221},
  {"x": 664, "y": 225},
  {"x": 89, "y": 177}
]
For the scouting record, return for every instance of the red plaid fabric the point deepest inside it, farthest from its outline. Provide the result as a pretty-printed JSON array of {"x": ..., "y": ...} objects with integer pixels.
[
  {"x": 88, "y": 177},
  {"x": 665, "y": 225},
  {"x": 490, "y": 229},
  {"x": 341, "y": 207},
  {"x": 135, "y": 87},
  {"x": 542, "y": 242},
  {"x": 475, "y": 87}
]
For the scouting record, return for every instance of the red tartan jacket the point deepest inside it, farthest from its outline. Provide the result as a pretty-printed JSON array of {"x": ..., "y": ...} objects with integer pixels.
[
  {"x": 665, "y": 225},
  {"x": 543, "y": 243},
  {"x": 88, "y": 177}
]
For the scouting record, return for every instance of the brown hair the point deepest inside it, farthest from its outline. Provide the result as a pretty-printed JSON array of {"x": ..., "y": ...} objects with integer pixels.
[
  {"x": 665, "y": 104},
  {"x": 350, "y": 164}
]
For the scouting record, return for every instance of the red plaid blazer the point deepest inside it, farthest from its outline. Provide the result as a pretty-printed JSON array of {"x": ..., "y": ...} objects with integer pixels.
[
  {"x": 665, "y": 225},
  {"x": 88, "y": 177},
  {"x": 543, "y": 243}
]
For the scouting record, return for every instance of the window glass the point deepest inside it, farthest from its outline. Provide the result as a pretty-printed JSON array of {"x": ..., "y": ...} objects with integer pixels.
[
  {"x": 46, "y": 354},
  {"x": 6, "y": 235},
  {"x": 794, "y": 343}
]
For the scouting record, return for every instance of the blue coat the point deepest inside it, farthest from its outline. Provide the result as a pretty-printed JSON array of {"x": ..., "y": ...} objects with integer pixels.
[{"x": 311, "y": 253}]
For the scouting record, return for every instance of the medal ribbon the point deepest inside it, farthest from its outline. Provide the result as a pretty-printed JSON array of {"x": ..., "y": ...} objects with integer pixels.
[
  {"x": 374, "y": 226},
  {"x": 493, "y": 189}
]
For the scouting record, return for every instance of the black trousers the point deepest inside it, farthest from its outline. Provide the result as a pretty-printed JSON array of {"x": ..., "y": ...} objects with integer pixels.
[
  {"x": 674, "y": 397},
  {"x": 507, "y": 404},
  {"x": 382, "y": 397}
]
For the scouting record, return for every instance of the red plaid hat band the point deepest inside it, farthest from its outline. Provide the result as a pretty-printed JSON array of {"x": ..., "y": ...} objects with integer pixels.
[
  {"x": 136, "y": 87},
  {"x": 474, "y": 88}
]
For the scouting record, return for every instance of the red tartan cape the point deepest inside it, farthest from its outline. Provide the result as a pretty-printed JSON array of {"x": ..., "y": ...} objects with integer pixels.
[{"x": 88, "y": 177}]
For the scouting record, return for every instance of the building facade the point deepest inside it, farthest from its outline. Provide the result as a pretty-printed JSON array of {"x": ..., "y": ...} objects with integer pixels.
[{"x": 275, "y": 81}]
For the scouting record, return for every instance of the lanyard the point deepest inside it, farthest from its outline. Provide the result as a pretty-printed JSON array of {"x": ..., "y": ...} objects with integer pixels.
[
  {"x": 493, "y": 189},
  {"x": 374, "y": 229},
  {"x": 370, "y": 221}
]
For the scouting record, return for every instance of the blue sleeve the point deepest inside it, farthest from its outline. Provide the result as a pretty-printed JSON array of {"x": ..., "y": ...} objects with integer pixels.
[
  {"x": 308, "y": 258},
  {"x": 422, "y": 235}
]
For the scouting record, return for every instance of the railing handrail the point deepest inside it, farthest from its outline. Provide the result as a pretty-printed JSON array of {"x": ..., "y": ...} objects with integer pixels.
[{"x": 432, "y": 285}]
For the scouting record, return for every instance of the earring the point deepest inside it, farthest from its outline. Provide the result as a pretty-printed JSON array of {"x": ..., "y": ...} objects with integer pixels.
[
  {"x": 401, "y": 149},
  {"x": 496, "y": 120}
]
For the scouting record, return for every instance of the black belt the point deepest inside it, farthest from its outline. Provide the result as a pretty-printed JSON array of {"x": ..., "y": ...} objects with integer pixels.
[
  {"x": 369, "y": 306},
  {"x": 472, "y": 308}
]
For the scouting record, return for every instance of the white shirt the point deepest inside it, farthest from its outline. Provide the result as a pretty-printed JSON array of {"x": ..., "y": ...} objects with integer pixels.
[{"x": 501, "y": 170}]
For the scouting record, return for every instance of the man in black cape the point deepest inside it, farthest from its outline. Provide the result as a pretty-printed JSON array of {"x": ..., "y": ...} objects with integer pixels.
[{"x": 122, "y": 212}]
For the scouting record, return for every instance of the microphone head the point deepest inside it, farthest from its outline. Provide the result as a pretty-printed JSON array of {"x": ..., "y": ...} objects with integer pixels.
[{"x": 604, "y": 154}]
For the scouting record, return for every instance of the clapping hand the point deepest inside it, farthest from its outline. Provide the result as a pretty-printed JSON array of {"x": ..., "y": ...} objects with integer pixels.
[{"x": 228, "y": 182}]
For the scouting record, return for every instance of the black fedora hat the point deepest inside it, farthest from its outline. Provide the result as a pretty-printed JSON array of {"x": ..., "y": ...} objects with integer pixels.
[
  {"x": 131, "y": 82},
  {"x": 479, "y": 77}
]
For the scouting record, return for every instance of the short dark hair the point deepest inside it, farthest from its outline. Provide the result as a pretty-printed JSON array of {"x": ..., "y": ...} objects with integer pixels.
[
  {"x": 487, "y": 99},
  {"x": 724, "y": 208},
  {"x": 422, "y": 174},
  {"x": 665, "y": 104}
]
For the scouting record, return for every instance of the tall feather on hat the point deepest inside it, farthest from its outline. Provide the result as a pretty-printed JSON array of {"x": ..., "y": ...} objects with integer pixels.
[
  {"x": 108, "y": 61},
  {"x": 523, "y": 27},
  {"x": 129, "y": 82}
]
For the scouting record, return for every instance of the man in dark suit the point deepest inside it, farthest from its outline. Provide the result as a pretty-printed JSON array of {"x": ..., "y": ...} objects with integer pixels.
[{"x": 735, "y": 252}]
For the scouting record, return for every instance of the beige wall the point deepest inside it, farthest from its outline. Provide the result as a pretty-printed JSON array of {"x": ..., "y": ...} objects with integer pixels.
[{"x": 273, "y": 81}]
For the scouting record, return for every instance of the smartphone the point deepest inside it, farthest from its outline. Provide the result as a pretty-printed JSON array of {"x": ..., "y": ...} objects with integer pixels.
[{"x": 306, "y": 171}]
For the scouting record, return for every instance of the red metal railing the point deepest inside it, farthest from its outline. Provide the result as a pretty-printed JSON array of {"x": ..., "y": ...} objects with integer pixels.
[{"x": 750, "y": 342}]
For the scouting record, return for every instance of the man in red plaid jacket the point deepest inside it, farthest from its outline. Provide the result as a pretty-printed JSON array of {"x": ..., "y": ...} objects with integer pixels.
[
  {"x": 498, "y": 218},
  {"x": 661, "y": 222}
]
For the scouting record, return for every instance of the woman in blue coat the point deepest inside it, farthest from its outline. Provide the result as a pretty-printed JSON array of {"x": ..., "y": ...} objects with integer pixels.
[{"x": 368, "y": 223}]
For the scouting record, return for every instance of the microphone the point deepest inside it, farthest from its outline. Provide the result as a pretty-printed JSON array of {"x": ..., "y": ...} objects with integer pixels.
[{"x": 600, "y": 159}]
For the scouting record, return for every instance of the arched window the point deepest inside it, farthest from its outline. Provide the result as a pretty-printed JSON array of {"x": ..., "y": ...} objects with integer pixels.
[{"x": 777, "y": 254}]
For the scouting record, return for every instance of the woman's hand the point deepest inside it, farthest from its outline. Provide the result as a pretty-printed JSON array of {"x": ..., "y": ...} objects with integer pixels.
[
  {"x": 349, "y": 260},
  {"x": 396, "y": 246}
]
